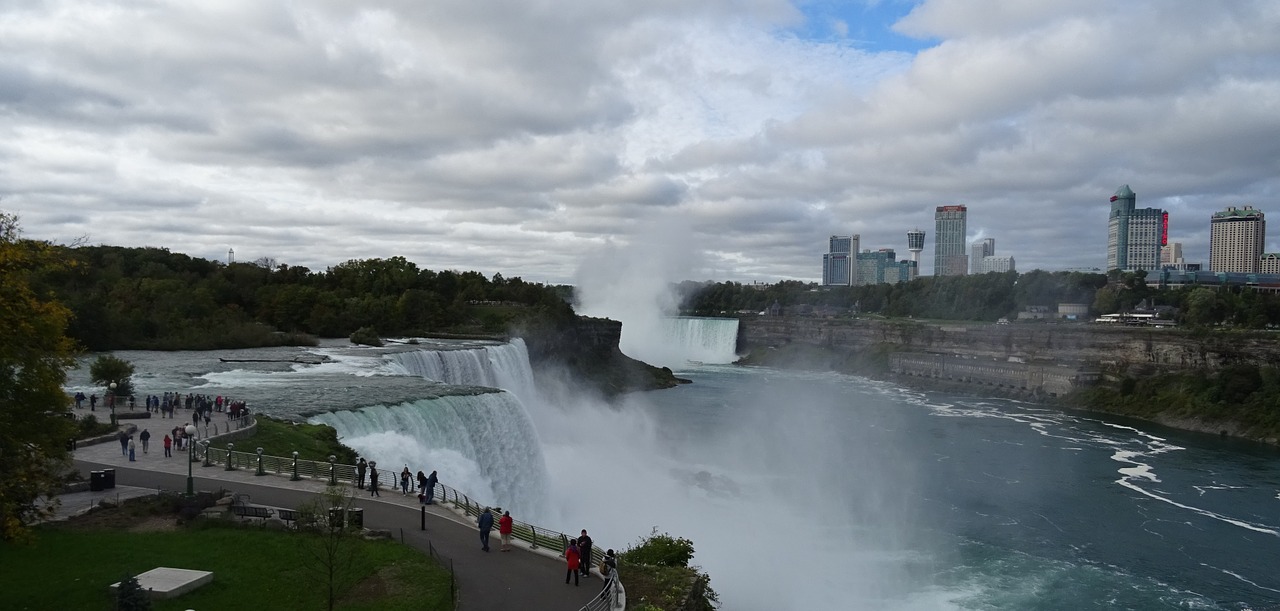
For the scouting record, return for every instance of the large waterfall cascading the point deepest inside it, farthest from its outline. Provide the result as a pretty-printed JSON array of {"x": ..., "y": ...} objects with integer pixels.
[
  {"x": 483, "y": 444},
  {"x": 679, "y": 340},
  {"x": 503, "y": 366}
]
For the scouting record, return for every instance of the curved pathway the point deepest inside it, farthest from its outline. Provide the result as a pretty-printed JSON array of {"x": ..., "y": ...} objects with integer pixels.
[{"x": 522, "y": 579}]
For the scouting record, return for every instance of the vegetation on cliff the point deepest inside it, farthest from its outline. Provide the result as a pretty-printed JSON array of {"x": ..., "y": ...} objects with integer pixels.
[{"x": 657, "y": 576}]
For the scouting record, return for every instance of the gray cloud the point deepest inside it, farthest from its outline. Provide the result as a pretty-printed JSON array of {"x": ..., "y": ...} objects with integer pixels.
[{"x": 521, "y": 138}]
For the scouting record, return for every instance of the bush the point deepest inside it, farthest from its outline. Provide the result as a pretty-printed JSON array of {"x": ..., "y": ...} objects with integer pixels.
[
  {"x": 660, "y": 550},
  {"x": 130, "y": 596},
  {"x": 366, "y": 336}
]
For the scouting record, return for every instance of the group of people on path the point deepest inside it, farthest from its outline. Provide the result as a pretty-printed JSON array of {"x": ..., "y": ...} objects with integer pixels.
[
  {"x": 426, "y": 483},
  {"x": 577, "y": 554}
]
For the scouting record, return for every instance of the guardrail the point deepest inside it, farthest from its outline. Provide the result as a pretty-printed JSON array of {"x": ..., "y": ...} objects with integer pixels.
[{"x": 334, "y": 473}]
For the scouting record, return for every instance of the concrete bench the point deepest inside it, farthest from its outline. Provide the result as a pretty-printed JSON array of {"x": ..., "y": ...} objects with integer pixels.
[{"x": 247, "y": 511}]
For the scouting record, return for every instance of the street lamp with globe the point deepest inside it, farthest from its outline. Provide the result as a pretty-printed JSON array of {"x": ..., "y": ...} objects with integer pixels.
[
  {"x": 191, "y": 451},
  {"x": 111, "y": 401}
]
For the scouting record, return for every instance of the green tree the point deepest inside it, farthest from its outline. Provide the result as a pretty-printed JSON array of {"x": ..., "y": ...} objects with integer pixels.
[
  {"x": 330, "y": 553},
  {"x": 35, "y": 353},
  {"x": 108, "y": 369}
]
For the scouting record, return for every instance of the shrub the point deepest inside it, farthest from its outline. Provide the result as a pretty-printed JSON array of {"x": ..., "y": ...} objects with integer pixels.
[{"x": 660, "y": 550}]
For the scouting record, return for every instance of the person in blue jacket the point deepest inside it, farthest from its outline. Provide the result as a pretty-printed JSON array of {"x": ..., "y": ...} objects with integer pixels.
[{"x": 486, "y": 524}]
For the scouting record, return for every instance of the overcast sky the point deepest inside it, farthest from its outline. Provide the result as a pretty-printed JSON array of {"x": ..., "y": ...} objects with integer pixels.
[{"x": 528, "y": 137}]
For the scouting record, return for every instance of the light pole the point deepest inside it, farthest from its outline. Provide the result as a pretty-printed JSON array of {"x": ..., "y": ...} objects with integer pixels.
[
  {"x": 295, "y": 466},
  {"x": 260, "y": 471},
  {"x": 111, "y": 401},
  {"x": 204, "y": 444},
  {"x": 230, "y": 447},
  {"x": 191, "y": 450},
  {"x": 333, "y": 471}
]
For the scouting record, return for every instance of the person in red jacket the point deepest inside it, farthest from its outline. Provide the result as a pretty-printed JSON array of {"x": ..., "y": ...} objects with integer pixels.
[
  {"x": 504, "y": 530},
  {"x": 168, "y": 443},
  {"x": 571, "y": 557}
]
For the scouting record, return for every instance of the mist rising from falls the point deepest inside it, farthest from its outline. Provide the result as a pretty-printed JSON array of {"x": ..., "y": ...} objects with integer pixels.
[{"x": 484, "y": 445}]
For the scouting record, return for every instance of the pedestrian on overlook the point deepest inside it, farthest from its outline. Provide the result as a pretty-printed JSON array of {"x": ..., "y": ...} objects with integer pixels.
[
  {"x": 373, "y": 479},
  {"x": 431, "y": 489},
  {"x": 79, "y": 400},
  {"x": 145, "y": 436},
  {"x": 608, "y": 570},
  {"x": 584, "y": 550},
  {"x": 504, "y": 530},
  {"x": 123, "y": 437},
  {"x": 93, "y": 402},
  {"x": 168, "y": 443},
  {"x": 406, "y": 480},
  {"x": 361, "y": 465},
  {"x": 422, "y": 484},
  {"x": 131, "y": 449},
  {"x": 572, "y": 559},
  {"x": 486, "y": 524}
]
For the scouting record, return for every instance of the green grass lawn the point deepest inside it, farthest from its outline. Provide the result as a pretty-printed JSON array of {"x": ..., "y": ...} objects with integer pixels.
[
  {"x": 70, "y": 568},
  {"x": 311, "y": 441}
]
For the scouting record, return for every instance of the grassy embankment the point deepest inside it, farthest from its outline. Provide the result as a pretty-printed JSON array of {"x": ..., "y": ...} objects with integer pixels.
[
  {"x": 70, "y": 565},
  {"x": 311, "y": 441}
]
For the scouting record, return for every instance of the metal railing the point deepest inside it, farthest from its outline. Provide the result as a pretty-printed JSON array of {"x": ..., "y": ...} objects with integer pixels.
[{"x": 336, "y": 473}]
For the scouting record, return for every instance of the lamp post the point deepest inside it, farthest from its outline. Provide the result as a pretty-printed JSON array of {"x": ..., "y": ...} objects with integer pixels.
[
  {"x": 333, "y": 471},
  {"x": 295, "y": 466},
  {"x": 111, "y": 401},
  {"x": 191, "y": 433},
  {"x": 230, "y": 447},
  {"x": 204, "y": 443},
  {"x": 260, "y": 471}
]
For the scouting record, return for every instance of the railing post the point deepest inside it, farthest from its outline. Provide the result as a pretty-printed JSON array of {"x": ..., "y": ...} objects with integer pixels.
[{"x": 534, "y": 530}]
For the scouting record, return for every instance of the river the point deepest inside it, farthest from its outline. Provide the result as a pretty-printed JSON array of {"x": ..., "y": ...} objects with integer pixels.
[{"x": 803, "y": 490}]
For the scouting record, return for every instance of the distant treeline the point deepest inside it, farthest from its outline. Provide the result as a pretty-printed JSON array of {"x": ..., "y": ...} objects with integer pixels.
[
  {"x": 992, "y": 296},
  {"x": 150, "y": 298}
]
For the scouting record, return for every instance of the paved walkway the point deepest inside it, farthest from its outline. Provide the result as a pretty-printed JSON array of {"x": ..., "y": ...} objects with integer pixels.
[{"x": 522, "y": 579}]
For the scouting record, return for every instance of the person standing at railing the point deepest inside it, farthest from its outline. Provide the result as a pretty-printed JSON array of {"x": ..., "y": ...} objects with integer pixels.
[
  {"x": 406, "y": 480},
  {"x": 361, "y": 465},
  {"x": 608, "y": 570},
  {"x": 584, "y": 550},
  {"x": 431, "y": 489},
  {"x": 485, "y": 523},
  {"x": 504, "y": 530},
  {"x": 373, "y": 479},
  {"x": 572, "y": 559},
  {"x": 422, "y": 487}
]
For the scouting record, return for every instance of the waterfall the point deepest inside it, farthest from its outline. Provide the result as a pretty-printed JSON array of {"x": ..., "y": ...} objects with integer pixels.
[
  {"x": 678, "y": 340},
  {"x": 504, "y": 366},
  {"x": 483, "y": 444}
]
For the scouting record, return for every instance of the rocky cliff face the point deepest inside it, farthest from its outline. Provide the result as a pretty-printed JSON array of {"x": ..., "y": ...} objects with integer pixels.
[
  {"x": 1073, "y": 344},
  {"x": 587, "y": 351}
]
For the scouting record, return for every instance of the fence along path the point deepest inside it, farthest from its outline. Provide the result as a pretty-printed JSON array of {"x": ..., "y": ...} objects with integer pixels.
[{"x": 538, "y": 538}]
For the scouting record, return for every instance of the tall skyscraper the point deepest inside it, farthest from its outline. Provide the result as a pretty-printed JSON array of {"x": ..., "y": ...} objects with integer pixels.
[
  {"x": 981, "y": 249},
  {"x": 1236, "y": 239},
  {"x": 1135, "y": 235},
  {"x": 837, "y": 263},
  {"x": 915, "y": 244},
  {"x": 949, "y": 257}
]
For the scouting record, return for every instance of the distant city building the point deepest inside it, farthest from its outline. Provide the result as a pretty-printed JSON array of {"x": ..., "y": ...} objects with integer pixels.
[
  {"x": 915, "y": 244},
  {"x": 995, "y": 264},
  {"x": 1236, "y": 239},
  {"x": 949, "y": 256},
  {"x": 982, "y": 248},
  {"x": 1269, "y": 263},
  {"x": 1171, "y": 254},
  {"x": 837, "y": 263},
  {"x": 880, "y": 267},
  {"x": 1135, "y": 235}
]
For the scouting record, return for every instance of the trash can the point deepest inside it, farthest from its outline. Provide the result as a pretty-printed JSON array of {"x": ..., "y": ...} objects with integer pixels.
[
  {"x": 109, "y": 478},
  {"x": 97, "y": 481},
  {"x": 356, "y": 515},
  {"x": 335, "y": 517}
]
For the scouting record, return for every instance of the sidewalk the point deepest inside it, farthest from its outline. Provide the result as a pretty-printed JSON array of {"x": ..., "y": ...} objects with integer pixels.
[{"x": 524, "y": 579}]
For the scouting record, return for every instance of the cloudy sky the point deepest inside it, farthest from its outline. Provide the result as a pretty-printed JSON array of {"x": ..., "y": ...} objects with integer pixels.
[{"x": 528, "y": 137}]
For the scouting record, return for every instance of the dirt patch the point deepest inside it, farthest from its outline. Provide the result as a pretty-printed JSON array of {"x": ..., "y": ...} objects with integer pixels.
[
  {"x": 154, "y": 524},
  {"x": 375, "y": 587}
]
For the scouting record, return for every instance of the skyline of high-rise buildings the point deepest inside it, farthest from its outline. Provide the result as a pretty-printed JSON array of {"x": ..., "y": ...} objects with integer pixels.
[{"x": 1134, "y": 235}]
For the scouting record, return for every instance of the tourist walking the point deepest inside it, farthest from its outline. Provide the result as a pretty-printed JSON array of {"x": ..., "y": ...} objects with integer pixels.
[
  {"x": 168, "y": 443},
  {"x": 131, "y": 449},
  {"x": 361, "y": 465},
  {"x": 406, "y": 480},
  {"x": 572, "y": 559},
  {"x": 373, "y": 479},
  {"x": 486, "y": 524},
  {"x": 145, "y": 436},
  {"x": 123, "y": 437},
  {"x": 504, "y": 530},
  {"x": 584, "y": 550}
]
